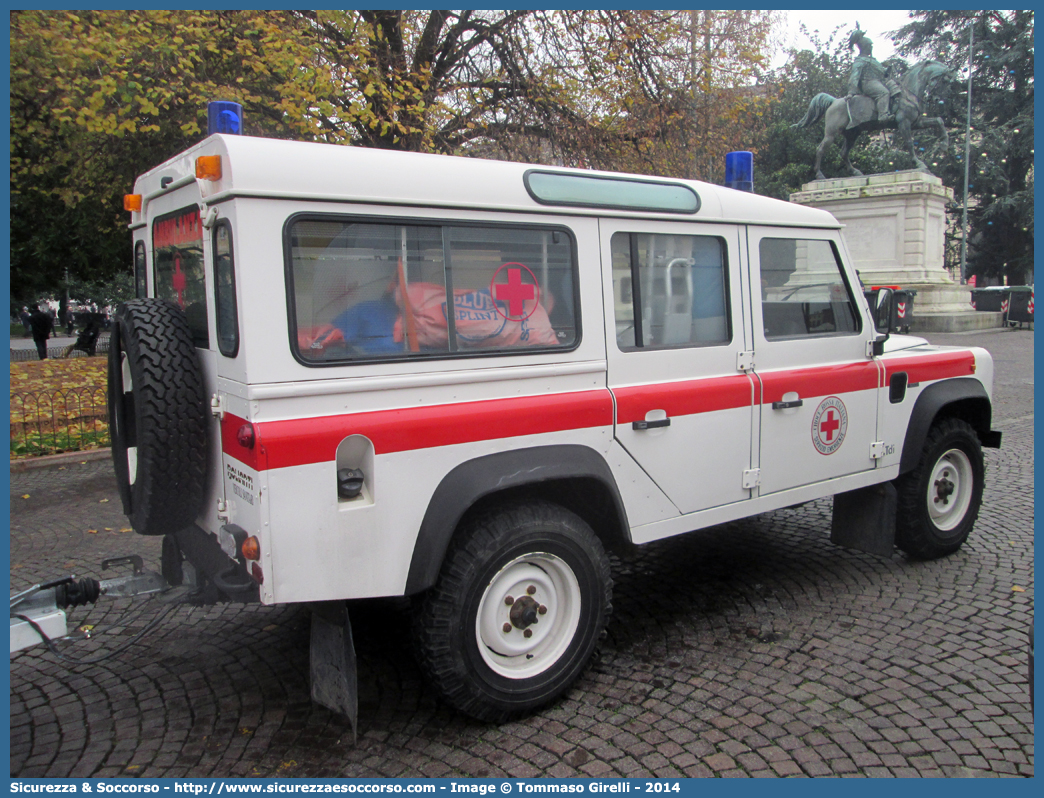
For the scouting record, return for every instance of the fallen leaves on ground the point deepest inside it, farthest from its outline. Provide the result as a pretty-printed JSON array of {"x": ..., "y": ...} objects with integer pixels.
[
  {"x": 58, "y": 405},
  {"x": 58, "y": 375}
]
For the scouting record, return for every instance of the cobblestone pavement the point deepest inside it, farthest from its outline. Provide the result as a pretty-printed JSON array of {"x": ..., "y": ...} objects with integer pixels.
[{"x": 750, "y": 649}]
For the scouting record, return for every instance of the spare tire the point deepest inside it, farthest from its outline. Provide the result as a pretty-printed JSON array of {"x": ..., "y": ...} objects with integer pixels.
[{"x": 157, "y": 416}]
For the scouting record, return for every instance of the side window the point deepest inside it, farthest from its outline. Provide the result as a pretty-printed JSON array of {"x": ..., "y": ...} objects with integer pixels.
[
  {"x": 140, "y": 285},
  {"x": 364, "y": 290},
  {"x": 669, "y": 291},
  {"x": 178, "y": 274},
  {"x": 225, "y": 291},
  {"x": 803, "y": 291}
]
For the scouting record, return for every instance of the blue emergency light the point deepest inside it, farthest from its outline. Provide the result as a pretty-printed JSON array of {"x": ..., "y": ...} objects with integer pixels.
[
  {"x": 739, "y": 170},
  {"x": 224, "y": 116}
]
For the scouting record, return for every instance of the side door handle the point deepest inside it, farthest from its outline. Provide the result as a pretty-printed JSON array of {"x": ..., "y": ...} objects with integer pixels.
[
  {"x": 786, "y": 405},
  {"x": 660, "y": 422}
]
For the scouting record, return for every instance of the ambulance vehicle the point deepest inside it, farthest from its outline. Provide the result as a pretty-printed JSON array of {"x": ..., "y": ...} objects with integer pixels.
[{"x": 354, "y": 373}]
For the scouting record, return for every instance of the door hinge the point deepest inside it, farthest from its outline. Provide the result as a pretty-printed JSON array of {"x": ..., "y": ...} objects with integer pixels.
[
  {"x": 877, "y": 450},
  {"x": 745, "y": 361},
  {"x": 222, "y": 510},
  {"x": 751, "y": 478},
  {"x": 217, "y": 405}
]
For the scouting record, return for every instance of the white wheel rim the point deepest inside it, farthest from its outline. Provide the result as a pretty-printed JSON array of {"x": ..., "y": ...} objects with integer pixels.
[
  {"x": 132, "y": 451},
  {"x": 539, "y": 579},
  {"x": 950, "y": 489}
]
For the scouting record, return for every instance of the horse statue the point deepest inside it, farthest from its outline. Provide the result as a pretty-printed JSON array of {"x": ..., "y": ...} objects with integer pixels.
[{"x": 850, "y": 117}]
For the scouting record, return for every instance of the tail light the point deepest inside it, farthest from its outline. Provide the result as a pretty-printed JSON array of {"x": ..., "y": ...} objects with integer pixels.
[{"x": 245, "y": 436}]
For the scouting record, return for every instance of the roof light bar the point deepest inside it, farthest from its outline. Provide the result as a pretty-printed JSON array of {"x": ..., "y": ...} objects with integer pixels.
[
  {"x": 224, "y": 116},
  {"x": 739, "y": 170}
]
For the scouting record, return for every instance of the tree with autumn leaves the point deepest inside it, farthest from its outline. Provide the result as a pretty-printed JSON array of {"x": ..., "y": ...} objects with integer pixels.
[
  {"x": 1000, "y": 170},
  {"x": 98, "y": 97}
]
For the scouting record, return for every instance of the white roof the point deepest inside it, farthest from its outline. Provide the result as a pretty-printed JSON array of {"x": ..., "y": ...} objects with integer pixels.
[{"x": 262, "y": 167}]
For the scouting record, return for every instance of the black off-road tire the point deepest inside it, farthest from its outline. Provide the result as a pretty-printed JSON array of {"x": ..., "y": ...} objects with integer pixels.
[
  {"x": 927, "y": 525},
  {"x": 533, "y": 544},
  {"x": 157, "y": 416}
]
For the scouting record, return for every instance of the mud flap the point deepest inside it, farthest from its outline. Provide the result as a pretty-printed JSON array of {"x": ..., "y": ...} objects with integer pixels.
[
  {"x": 864, "y": 519},
  {"x": 335, "y": 684}
]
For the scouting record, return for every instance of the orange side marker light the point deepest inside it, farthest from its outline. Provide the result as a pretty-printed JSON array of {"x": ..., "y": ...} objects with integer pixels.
[
  {"x": 208, "y": 167},
  {"x": 252, "y": 548}
]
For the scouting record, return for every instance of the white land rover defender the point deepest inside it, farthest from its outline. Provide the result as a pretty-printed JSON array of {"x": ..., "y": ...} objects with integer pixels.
[{"x": 358, "y": 373}]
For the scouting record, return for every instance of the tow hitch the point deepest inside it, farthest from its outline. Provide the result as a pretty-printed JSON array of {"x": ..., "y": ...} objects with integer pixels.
[{"x": 38, "y": 614}]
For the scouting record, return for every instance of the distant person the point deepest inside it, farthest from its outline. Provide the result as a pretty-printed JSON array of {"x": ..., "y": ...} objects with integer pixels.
[
  {"x": 26, "y": 321},
  {"x": 42, "y": 325},
  {"x": 87, "y": 340}
]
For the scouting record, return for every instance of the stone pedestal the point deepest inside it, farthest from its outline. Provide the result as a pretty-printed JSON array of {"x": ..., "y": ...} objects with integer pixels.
[{"x": 894, "y": 230}]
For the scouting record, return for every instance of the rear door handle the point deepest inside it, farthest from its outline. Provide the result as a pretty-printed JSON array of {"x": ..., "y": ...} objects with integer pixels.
[
  {"x": 786, "y": 405},
  {"x": 660, "y": 422}
]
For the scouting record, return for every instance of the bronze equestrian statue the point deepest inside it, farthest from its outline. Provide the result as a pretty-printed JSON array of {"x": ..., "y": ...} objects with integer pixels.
[
  {"x": 867, "y": 108},
  {"x": 870, "y": 78}
]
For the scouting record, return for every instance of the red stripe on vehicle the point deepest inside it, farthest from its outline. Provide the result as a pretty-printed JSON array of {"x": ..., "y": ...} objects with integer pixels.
[
  {"x": 281, "y": 444},
  {"x": 937, "y": 366},
  {"x": 296, "y": 442},
  {"x": 820, "y": 381},
  {"x": 683, "y": 398}
]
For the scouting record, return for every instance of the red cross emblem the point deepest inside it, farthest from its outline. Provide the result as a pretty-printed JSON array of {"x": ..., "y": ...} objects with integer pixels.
[
  {"x": 829, "y": 425},
  {"x": 515, "y": 292},
  {"x": 178, "y": 280}
]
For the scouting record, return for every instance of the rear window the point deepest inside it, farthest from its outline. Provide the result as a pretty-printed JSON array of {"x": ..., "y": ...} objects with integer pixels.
[
  {"x": 225, "y": 291},
  {"x": 177, "y": 261},
  {"x": 364, "y": 290},
  {"x": 140, "y": 287}
]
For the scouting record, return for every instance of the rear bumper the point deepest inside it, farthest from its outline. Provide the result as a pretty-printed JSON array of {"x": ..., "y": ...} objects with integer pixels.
[{"x": 202, "y": 551}]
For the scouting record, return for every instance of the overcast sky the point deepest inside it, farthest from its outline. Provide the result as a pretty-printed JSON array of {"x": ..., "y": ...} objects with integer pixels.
[{"x": 877, "y": 24}]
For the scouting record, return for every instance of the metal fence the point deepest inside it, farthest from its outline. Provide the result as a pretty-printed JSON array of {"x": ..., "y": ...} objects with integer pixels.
[
  {"x": 22, "y": 355},
  {"x": 58, "y": 421}
]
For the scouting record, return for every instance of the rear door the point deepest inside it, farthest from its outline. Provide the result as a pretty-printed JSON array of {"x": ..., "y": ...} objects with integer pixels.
[
  {"x": 819, "y": 385},
  {"x": 675, "y": 328},
  {"x": 178, "y": 260}
]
